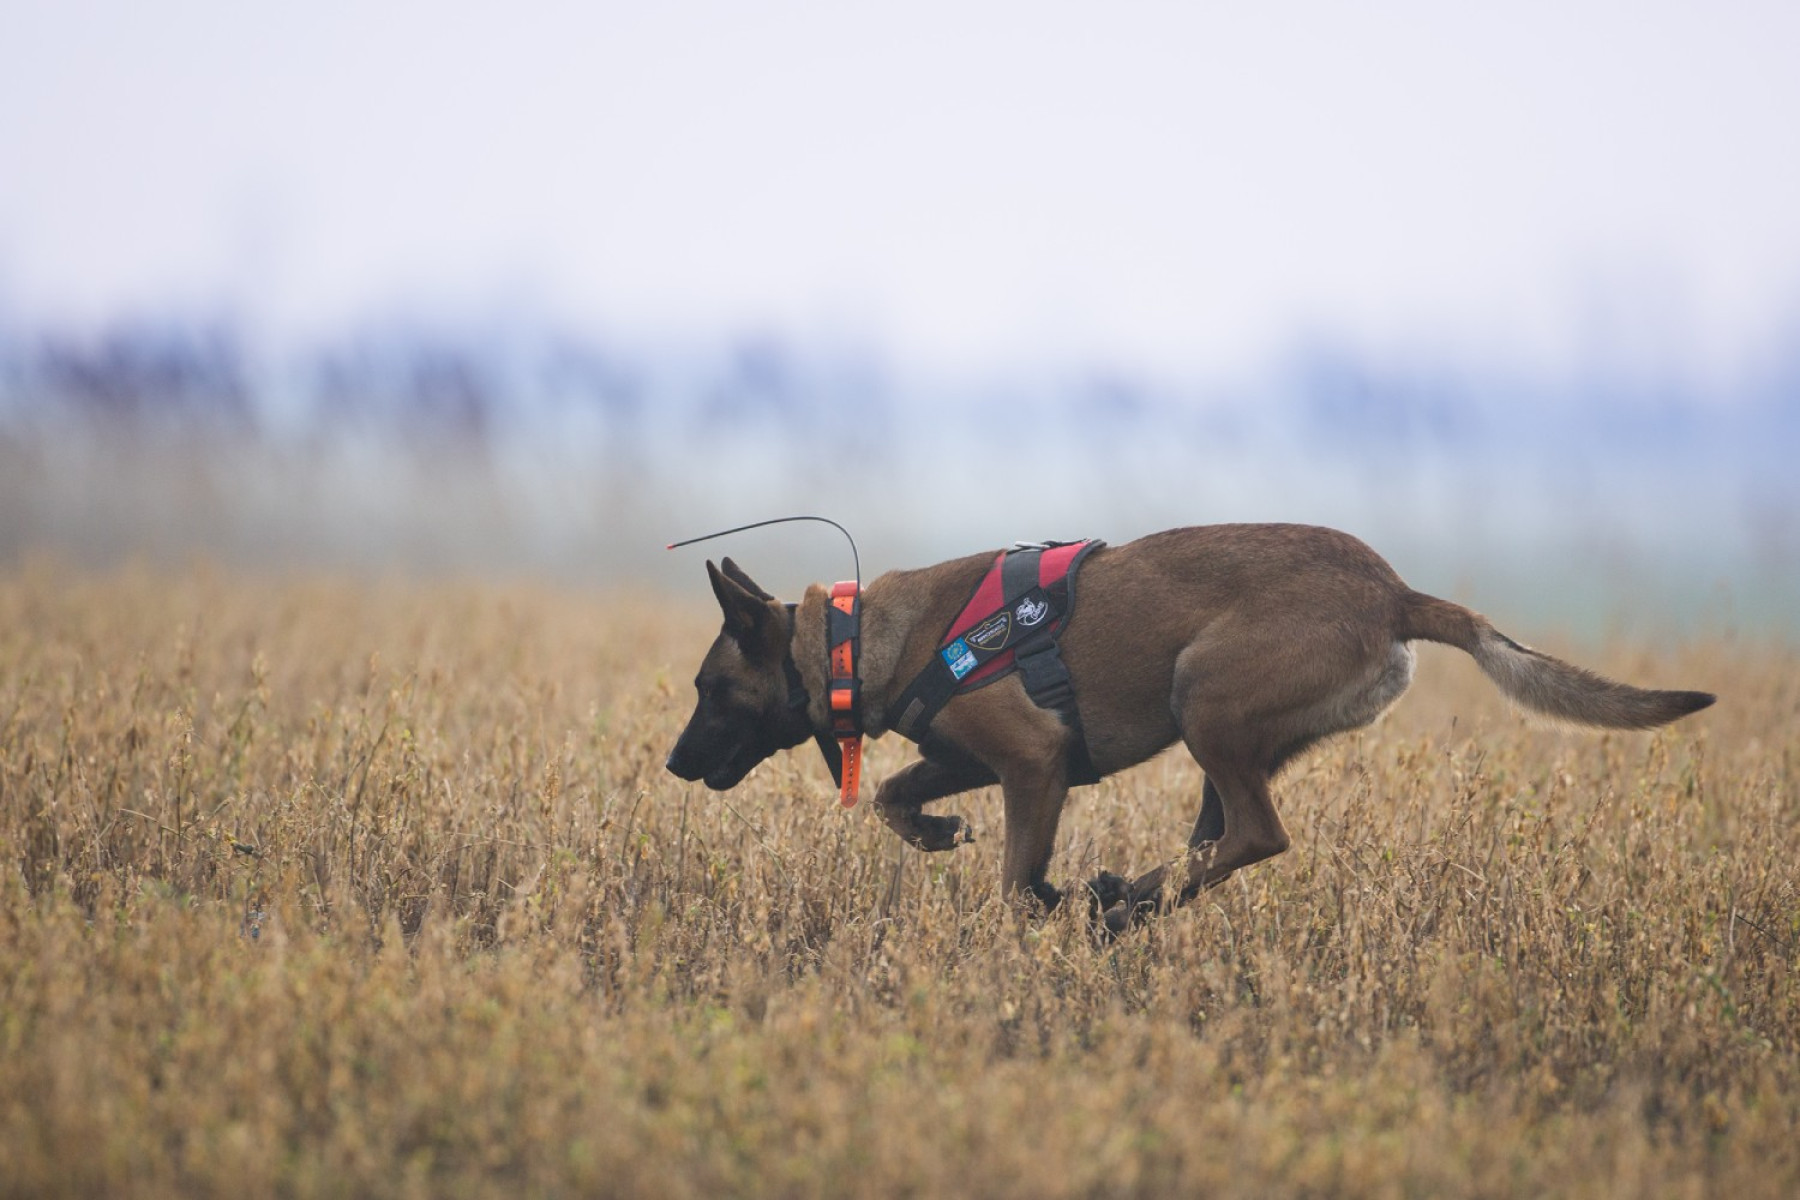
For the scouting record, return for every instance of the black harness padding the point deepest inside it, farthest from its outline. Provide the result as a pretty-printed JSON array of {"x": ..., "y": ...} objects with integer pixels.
[
  {"x": 1019, "y": 573},
  {"x": 1026, "y": 625}
]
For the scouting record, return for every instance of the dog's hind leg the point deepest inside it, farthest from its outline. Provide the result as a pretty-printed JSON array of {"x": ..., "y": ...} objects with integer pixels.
[
  {"x": 904, "y": 794},
  {"x": 1237, "y": 826},
  {"x": 1239, "y": 735},
  {"x": 1209, "y": 826},
  {"x": 1110, "y": 890},
  {"x": 1252, "y": 832}
]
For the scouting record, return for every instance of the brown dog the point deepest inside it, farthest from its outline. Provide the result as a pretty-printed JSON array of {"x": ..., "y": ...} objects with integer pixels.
[{"x": 1248, "y": 643}]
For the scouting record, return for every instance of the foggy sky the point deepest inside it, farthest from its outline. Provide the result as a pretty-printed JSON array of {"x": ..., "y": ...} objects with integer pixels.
[{"x": 1181, "y": 185}]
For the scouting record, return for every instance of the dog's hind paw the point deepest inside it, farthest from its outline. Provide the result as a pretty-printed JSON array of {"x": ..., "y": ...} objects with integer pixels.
[
  {"x": 1105, "y": 892},
  {"x": 1112, "y": 908},
  {"x": 938, "y": 833}
]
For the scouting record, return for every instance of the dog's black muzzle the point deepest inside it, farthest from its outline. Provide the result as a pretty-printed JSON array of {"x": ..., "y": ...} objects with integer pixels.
[
  {"x": 719, "y": 770},
  {"x": 683, "y": 765}
]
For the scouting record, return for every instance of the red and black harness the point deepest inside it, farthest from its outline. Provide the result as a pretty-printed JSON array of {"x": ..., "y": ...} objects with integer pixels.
[{"x": 1011, "y": 622}]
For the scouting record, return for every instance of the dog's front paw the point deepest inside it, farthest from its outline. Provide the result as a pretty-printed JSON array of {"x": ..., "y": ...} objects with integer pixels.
[
  {"x": 1048, "y": 896},
  {"x": 938, "y": 833}
]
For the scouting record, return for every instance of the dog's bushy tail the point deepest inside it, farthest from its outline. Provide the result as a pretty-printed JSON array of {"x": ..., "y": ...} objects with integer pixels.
[{"x": 1547, "y": 686}]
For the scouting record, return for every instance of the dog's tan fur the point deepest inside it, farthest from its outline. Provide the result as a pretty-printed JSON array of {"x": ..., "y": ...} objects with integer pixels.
[{"x": 1247, "y": 642}]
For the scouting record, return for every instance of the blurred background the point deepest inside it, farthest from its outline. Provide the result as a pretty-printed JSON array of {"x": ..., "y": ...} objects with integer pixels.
[{"x": 1513, "y": 293}]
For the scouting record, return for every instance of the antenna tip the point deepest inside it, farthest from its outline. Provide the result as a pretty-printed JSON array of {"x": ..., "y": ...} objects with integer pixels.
[{"x": 670, "y": 546}]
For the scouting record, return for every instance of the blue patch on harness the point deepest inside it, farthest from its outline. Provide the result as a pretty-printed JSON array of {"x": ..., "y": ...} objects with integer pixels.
[{"x": 959, "y": 658}]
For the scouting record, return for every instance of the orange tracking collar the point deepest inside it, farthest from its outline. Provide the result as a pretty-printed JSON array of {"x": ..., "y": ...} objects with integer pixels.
[{"x": 843, "y": 627}]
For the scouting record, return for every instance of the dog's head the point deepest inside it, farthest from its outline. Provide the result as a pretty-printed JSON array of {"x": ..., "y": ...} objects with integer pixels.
[{"x": 747, "y": 707}]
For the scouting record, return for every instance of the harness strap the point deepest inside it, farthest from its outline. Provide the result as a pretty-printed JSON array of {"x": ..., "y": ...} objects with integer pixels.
[
  {"x": 1048, "y": 683},
  {"x": 1018, "y": 573},
  {"x": 929, "y": 691},
  {"x": 1045, "y": 675}
]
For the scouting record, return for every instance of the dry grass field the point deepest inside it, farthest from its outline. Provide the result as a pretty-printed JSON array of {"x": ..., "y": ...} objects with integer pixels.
[{"x": 314, "y": 886}]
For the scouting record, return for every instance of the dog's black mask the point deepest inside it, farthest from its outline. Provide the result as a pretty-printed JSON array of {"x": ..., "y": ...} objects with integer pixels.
[{"x": 744, "y": 712}]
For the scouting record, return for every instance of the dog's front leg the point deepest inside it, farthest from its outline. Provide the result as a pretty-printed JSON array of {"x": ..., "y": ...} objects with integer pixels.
[
  {"x": 1034, "y": 796},
  {"x": 904, "y": 794}
]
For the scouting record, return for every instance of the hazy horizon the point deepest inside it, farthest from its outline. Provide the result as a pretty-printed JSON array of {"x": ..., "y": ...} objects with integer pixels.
[{"x": 1514, "y": 294}]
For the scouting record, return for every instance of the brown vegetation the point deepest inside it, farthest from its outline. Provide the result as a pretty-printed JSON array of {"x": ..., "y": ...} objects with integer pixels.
[{"x": 311, "y": 886}]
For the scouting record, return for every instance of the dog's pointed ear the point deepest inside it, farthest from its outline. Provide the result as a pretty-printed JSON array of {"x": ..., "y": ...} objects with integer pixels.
[
  {"x": 834, "y": 756},
  {"x": 744, "y": 611},
  {"x": 736, "y": 574}
]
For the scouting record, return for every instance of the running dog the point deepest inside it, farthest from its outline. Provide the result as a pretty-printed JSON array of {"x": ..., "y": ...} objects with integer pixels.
[{"x": 1248, "y": 643}]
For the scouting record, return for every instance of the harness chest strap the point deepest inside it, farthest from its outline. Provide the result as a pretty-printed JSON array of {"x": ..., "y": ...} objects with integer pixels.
[{"x": 843, "y": 628}]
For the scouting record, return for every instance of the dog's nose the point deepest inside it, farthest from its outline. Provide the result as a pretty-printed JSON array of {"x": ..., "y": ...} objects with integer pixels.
[{"x": 677, "y": 765}]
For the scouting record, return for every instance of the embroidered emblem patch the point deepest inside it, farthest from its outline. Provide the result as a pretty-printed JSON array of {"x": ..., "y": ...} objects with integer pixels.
[
  {"x": 959, "y": 658},
  {"x": 1032, "y": 610},
  {"x": 991, "y": 633}
]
